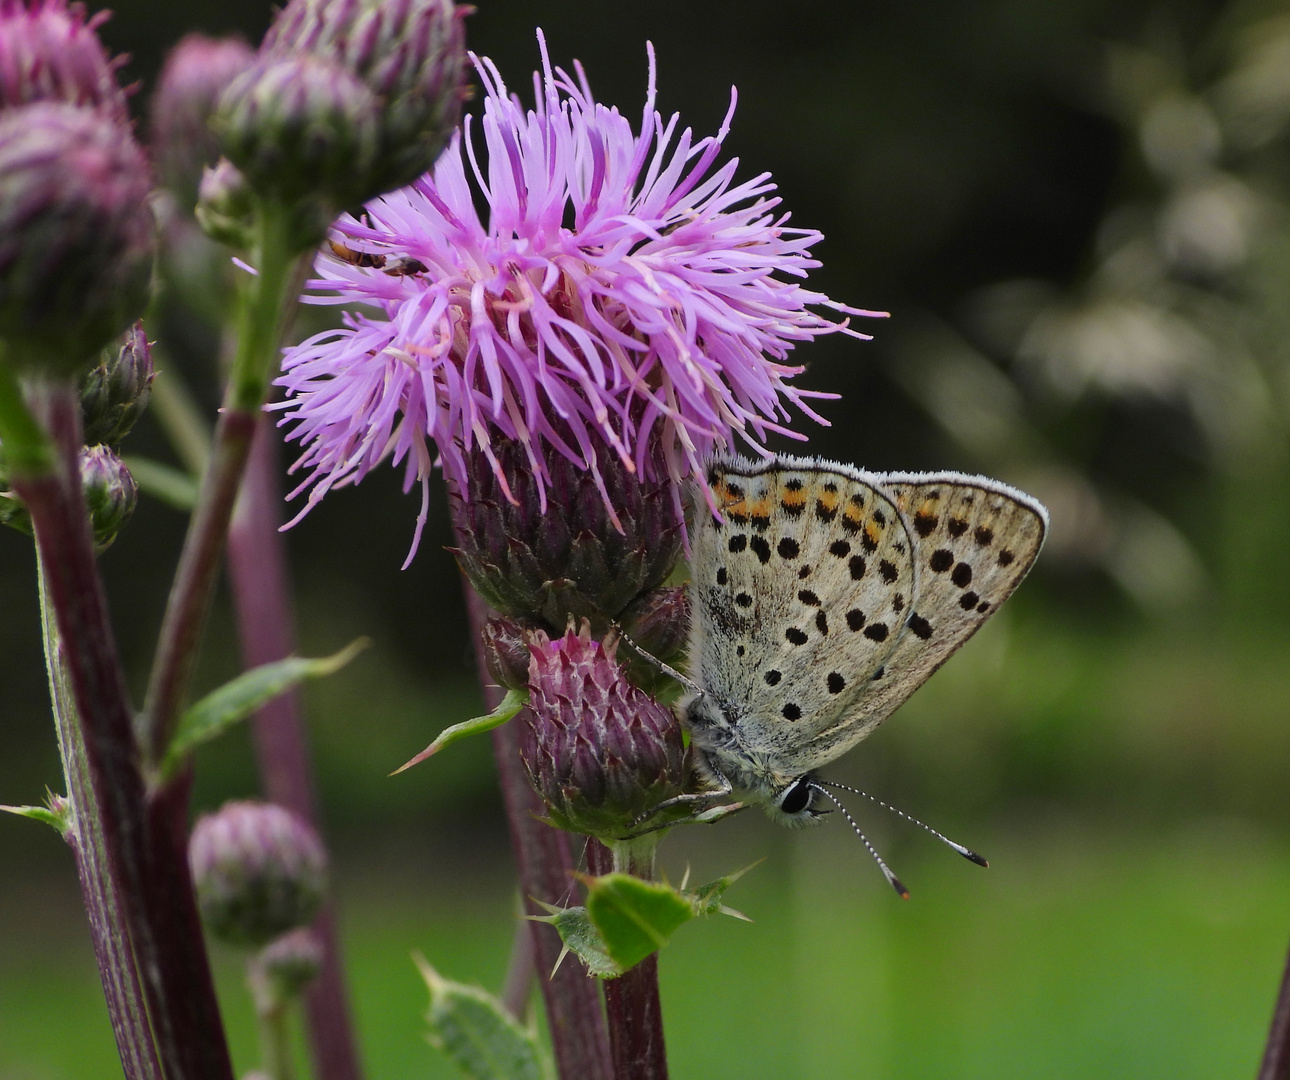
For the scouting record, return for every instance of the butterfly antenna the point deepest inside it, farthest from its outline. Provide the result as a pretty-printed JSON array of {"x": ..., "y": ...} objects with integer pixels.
[
  {"x": 892, "y": 879},
  {"x": 966, "y": 852},
  {"x": 666, "y": 669}
]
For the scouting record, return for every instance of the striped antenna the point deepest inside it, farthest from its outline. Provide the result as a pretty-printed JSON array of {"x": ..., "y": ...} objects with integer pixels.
[
  {"x": 892, "y": 879},
  {"x": 967, "y": 853}
]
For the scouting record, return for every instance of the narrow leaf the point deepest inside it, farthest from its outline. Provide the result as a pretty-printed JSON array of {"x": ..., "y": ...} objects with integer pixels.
[
  {"x": 581, "y": 938},
  {"x": 164, "y": 482},
  {"x": 634, "y": 917},
  {"x": 512, "y": 703},
  {"x": 235, "y": 701},
  {"x": 481, "y": 1037},
  {"x": 59, "y": 815},
  {"x": 706, "y": 899}
]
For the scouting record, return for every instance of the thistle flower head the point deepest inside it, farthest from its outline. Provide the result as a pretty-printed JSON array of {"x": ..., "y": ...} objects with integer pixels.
[
  {"x": 259, "y": 871},
  {"x": 76, "y": 234},
  {"x": 49, "y": 51},
  {"x": 198, "y": 70},
  {"x": 601, "y": 752},
  {"x": 624, "y": 292}
]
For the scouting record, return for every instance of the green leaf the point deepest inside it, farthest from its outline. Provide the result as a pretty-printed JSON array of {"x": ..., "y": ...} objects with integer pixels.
[
  {"x": 706, "y": 899},
  {"x": 164, "y": 482},
  {"x": 512, "y": 703},
  {"x": 581, "y": 938},
  {"x": 235, "y": 701},
  {"x": 634, "y": 917},
  {"x": 481, "y": 1037},
  {"x": 57, "y": 814}
]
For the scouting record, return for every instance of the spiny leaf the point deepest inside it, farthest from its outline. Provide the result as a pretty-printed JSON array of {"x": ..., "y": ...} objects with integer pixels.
[
  {"x": 706, "y": 899},
  {"x": 581, "y": 938},
  {"x": 634, "y": 917},
  {"x": 235, "y": 701},
  {"x": 481, "y": 1037},
  {"x": 512, "y": 703},
  {"x": 58, "y": 814}
]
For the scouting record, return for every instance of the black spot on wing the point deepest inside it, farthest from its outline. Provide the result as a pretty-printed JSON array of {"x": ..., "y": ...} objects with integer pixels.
[
  {"x": 942, "y": 559},
  {"x": 920, "y": 626},
  {"x": 924, "y": 523},
  {"x": 788, "y": 548},
  {"x": 876, "y": 631},
  {"x": 759, "y": 545},
  {"x": 840, "y": 548},
  {"x": 836, "y": 683},
  {"x": 956, "y": 527},
  {"x": 792, "y": 712},
  {"x": 962, "y": 575},
  {"x": 808, "y": 597},
  {"x": 737, "y": 543},
  {"x": 857, "y": 567},
  {"x": 855, "y": 619},
  {"x": 822, "y": 622},
  {"x": 888, "y": 570},
  {"x": 772, "y": 678},
  {"x": 795, "y": 636}
]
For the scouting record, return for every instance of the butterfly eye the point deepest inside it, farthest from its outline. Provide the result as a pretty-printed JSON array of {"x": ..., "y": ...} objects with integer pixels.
[{"x": 796, "y": 798}]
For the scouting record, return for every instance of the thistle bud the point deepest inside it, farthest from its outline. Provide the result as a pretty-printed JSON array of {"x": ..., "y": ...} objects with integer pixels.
[
  {"x": 658, "y": 623},
  {"x": 115, "y": 393},
  {"x": 198, "y": 71},
  {"x": 567, "y": 559},
  {"x": 298, "y": 128},
  {"x": 259, "y": 870},
  {"x": 411, "y": 54},
  {"x": 225, "y": 205},
  {"x": 290, "y": 962},
  {"x": 506, "y": 653},
  {"x": 49, "y": 51},
  {"x": 110, "y": 493},
  {"x": 76, "y": 235},
  {"x": 600, "y": 751}
]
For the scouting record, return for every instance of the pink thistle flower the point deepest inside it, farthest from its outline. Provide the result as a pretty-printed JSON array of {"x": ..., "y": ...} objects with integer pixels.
[{"x": 623, "y": 290}]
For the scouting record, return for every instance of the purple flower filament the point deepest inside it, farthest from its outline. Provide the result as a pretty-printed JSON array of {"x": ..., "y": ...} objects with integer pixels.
[{"x": 621, "y": 291}]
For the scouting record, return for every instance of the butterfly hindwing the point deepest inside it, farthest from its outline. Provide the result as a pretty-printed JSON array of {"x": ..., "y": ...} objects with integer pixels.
[
  {"x": 975, "y": 540},
  {"x": 802, "y": 590}
]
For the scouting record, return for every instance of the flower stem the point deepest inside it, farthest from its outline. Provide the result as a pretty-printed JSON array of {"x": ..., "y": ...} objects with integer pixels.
[
  {"x": 157, "y": 916},
  {"x": 1276, "y": 1056},
  {"x": 544, "y": 858},
  {"x": 258, "y": 569},
  {"x": 271, "y": 1010},
  {"x": 265, "y": 301},
  {"x": 632, "y": 1004}
]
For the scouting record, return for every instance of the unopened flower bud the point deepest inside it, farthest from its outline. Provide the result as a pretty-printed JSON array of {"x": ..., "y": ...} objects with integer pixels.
[
  {"x": 76, "y": 235},
  {"x": 601, "y": 752},
  {"x": 110, "y": 493},
  {"x": 300, "y": 127},
  {"x": 115, "y": 392},
  {"x": 225, "y": 205},
  {"x": 506, "y": 653},
  {"x": 198, "y": 71},
  {"x": 658, "y": 623},
  {"x": 291, "y": 962},
  {"x": 49, "y": 51},
  {"x": 568, "y": 558},
  {"x": 411, "y": 54},
  {"x": 259, "y": 870}
]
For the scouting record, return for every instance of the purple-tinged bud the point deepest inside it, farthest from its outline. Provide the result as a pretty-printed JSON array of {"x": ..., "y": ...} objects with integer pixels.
[
  {"x": 198, "y": 71},
  {"x": 290, "y": 962},
  {"x": 115, "y": 393},
  {"x": 506, "y": 653},
  {"x": 225, "y": 205},
  {"x": 411, "y": 54},
  {"x": 110, "y": 493},
  {"x": 49, "y": 51},
  {"x": 601, "y": 752},
  {"x": 109, "y": 490},
  {"x": 259, "y": 870},
  {"x": 658, "y": 623},
  {"x": 76, "y": 235},
  {"x": 566, "y": 559},
  {"x": 300, "y": 128}
]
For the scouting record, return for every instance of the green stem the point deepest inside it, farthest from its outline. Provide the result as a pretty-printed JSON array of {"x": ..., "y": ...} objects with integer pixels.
[
  {"x": 275, "y": 1041},
  {"x": 265, "y": 303}
]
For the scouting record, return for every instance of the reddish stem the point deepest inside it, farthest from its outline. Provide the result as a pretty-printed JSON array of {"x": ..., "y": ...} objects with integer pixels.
[
  {"x": 150, "y": 876},
  {"x": 544, "y": 858},
  {"x": 257, "y": 563},
  {"x": 632, "y": 1005},
  {"x": 1276, "y": 1057}
]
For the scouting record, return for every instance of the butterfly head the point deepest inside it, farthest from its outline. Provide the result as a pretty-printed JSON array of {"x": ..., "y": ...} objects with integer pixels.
[{"x": 794, "y": 804}]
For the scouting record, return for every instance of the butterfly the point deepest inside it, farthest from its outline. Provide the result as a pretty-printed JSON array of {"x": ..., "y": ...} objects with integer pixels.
[{"x": 822, "y": 597}]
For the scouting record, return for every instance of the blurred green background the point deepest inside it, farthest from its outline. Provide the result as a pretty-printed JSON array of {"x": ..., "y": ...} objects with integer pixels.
[{"x": 1078, "y": 213}]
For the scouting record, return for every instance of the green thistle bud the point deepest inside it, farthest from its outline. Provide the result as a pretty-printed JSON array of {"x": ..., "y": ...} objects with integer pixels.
[
  {"x": 110, "y": 493},
  {"x": 600, "y": 751},
  {"x": 566, "y": 559},
  {"x": 76, "y": 235},
  {"x": 115, "y": 393},
  {"x": 225, "y": 205},
  {"x": 110, "y": 496},
  {"x": 259, "y": 870},
  {"x": 411, "y": 54},
  {"x": 300, "y": 128},
  {"x": 289, "y": 963},
  {"x": 197, "y": 72}
]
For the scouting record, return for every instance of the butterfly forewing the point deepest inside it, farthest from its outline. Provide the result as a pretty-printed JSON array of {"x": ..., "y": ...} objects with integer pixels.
[
  {"x": 803, "y": 589},
  {"x": 975, "y": 539}
]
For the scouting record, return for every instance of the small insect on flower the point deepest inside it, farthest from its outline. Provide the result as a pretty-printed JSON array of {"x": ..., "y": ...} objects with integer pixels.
[{"x": 624, "y": 293}]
